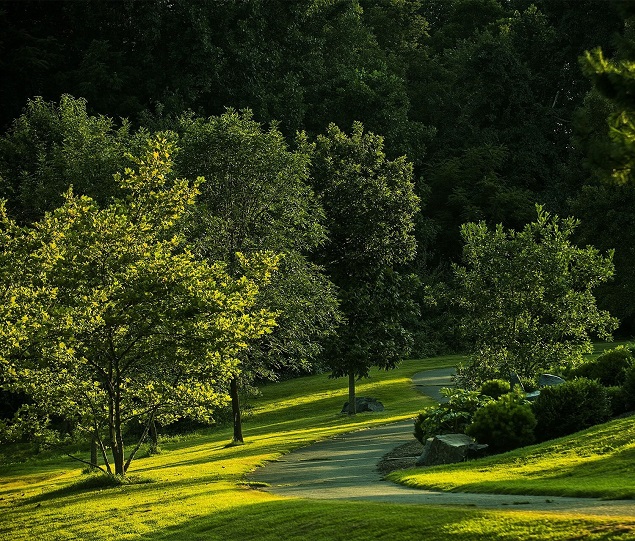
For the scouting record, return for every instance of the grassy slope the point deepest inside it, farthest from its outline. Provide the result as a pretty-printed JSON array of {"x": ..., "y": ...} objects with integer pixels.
[
  {"x": 196, "y": 493},
  {"x": 598, "y": 462}
]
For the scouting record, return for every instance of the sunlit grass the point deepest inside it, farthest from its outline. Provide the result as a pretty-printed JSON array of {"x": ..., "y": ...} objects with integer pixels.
[{"x": 196, "y": 490}]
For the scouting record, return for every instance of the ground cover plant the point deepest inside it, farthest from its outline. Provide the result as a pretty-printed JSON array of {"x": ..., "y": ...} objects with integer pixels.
[{"x": 195, "y": 488}]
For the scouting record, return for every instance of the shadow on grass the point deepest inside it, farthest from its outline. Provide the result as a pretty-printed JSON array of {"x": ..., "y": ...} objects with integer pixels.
[
  {"x": 351, "y": 521},
  {"x": 91, "y": 483}
]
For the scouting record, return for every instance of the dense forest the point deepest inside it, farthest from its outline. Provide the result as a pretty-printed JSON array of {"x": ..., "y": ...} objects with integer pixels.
[{"x": 460, "y": 110}]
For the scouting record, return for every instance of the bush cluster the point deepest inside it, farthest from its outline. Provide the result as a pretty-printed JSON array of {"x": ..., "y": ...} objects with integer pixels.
[
  {"x": 504, "y": 424},
  {"x": 570, "y": 407},
  {"x": 609, "y": 369},
  {"x": 449, "y": 417},
  {"x": 503, "y": 419}
]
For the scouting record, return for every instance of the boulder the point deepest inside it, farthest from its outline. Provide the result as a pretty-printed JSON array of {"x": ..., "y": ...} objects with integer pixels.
[
  {"x": 365, "y": 404},
  {"x": 549, "y": 380},
  {"x": 448, "y": 449}
]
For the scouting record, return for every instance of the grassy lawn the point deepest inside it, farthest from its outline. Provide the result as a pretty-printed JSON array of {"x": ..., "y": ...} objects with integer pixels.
[{"x": 194, "y": 489}]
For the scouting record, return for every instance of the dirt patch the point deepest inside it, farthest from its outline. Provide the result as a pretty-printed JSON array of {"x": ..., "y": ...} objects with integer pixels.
[{"x": 400, "y": 458}]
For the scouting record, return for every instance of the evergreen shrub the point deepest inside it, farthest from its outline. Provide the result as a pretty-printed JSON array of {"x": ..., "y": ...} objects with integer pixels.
[
  {"x": 570, "y": 407},
  {"x": 505, "y": 424},
  {"x": 618, "y": 400},
  {"x": 609, "y": 368},
  {"x": 629, "y": 388},
  {"x": 495, "y": 388}
]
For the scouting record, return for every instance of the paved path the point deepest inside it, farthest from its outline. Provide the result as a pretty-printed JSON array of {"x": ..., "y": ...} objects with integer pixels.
[
  {"x": 343, "y": 468},
  {"x": 431, "y": 382}
]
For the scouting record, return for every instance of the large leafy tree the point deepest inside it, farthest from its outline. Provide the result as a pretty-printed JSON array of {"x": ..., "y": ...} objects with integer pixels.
[
  {"x": 52, "y": 146},
  {"x": 108, "y": 319},
  {"x": 527, "y": 298},
  {"x": 370, "y": 207},
  {"x": 257, "y": 197}
]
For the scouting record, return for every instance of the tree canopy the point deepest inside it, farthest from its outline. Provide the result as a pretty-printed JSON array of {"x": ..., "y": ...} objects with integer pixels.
[
  {"x": 257, "y": 197},
  {"x": 108, "y": 319},
  {"x": 484, "y": 109},
  {"x": 527, "y": 298},
  {"x": 370, "y": 204}
]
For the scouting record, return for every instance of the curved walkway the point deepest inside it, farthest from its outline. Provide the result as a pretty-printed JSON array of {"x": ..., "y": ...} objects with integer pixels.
[{"x": 343, "y": 468}]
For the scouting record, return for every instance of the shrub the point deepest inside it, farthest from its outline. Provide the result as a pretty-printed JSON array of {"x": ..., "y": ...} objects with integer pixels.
[
  {"x": 609, "y": 368},
  {"x": 505, "y": 424},
  {"x": 629, "y": 388},
  {"x": 570, "y": 407},
  {"x": 449, "y": 417},
  {"x": 495, "y": 388},
  {"x": 618, "y": 400}
]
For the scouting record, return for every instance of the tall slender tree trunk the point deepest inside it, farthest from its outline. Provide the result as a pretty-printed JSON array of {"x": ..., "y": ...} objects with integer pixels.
[
  {"x": 93, "y": 452},
  {"x": 352, "y": 406},
  {"x": 118, "y": 453},
  {"x": 238, "y": 427},
  {"x": 154, "y": 437}
]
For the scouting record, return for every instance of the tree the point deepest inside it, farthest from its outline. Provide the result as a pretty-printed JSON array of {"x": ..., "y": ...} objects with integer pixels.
[
  {"x": 527, "y": 298},
  {"x": 370, "y": 206},
  {"x": 108, "y": 319},
  {"x": 257, "y": 197},
  {"x": 51, "y": 146}
]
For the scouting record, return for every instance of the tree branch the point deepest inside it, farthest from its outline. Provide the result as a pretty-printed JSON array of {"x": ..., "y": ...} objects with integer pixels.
[{"x": 89, "y": 463}]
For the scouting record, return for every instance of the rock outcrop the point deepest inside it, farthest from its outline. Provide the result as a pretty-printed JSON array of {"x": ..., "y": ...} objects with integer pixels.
[{"x": 448, "y": 449}]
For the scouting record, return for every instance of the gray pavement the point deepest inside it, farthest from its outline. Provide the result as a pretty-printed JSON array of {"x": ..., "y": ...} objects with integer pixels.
[
  {"x": 430, "y": 382},
  {"x": 344, "y": 468}
]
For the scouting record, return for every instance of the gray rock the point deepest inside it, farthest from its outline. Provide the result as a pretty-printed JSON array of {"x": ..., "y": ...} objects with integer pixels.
[
  {"x": 549, "y": 380},
  {"x": 365, "y": 404},
  {"x": 448, "y": 449}
]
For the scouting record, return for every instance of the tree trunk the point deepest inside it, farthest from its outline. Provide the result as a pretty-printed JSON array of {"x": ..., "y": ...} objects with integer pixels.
[
  {"x": 93, "y": 452},
  {"x": 118, "y": 454},
  {"x": 352, "y": 407},
  {"x": 238, "y": 428},
  {"x": 154, "y": 438}
]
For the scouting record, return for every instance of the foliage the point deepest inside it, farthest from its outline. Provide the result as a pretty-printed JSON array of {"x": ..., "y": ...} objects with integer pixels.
[
  {"x": 495, "y": 388},
  {"x": 606, "y": 136},
  {"x": 629, "y": 388},
  {"x": 527, "y": 298},
  {"x": 575, "y": 405},
  {"x": 504, "y": 424},
  {"x": 369, "y": 204},
  {"x": 257, "y": 197},
  {"x": 109, "y": 319},
  {"x": 51, "y": 147},
  {"x": 618, "y": 399},
  {"x": 609, "y": 368},
  {"x": 449, "y": 417}
]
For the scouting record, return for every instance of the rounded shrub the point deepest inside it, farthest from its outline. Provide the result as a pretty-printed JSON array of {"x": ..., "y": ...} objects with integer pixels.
[
  {"x": 495, "y": 388},
  {"x": 505, "y": 424},
  {"x": 609, "y": 368},
  {"x": 618, "y": 400},
  {"x": 628, "y": 389},
  {"x": 570, "y": 407}
]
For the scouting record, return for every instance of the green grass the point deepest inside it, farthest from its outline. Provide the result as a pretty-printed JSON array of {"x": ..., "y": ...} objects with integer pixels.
[{"x": 195, "y": 488}]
